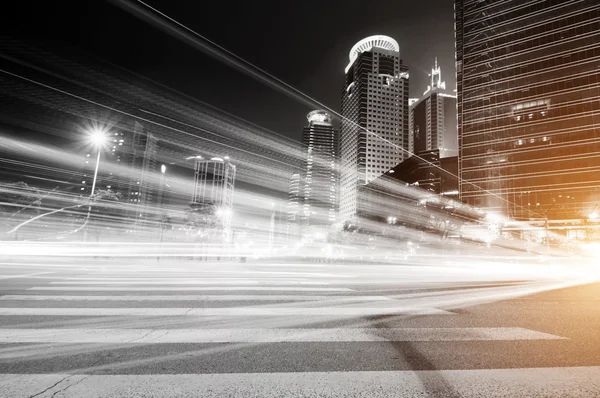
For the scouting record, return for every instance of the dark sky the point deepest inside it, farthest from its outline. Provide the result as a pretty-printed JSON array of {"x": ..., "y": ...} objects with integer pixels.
[{"x": 304, "y": 43}]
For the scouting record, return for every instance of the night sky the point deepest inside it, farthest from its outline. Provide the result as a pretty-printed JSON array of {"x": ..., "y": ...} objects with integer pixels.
[{"x": 304, "y": 43}]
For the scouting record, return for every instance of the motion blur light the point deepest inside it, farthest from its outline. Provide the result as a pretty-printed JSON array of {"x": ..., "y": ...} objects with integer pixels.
[
  {"x": 494, "y": 218},
  {"x": 224, "y": 212}
]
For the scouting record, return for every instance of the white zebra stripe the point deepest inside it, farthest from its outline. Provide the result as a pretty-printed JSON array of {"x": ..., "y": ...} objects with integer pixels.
[
  {"x": 228, "y": 311},
  {"x": 181, "y": 297},
  {"x": 197, "y": 335},
  {"x": 189, "y": 288}
]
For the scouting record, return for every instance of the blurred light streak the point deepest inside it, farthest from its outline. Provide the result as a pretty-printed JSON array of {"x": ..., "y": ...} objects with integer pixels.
[
  {"x": 449, "y": 299},
  {"x": 266, "y": 173}
]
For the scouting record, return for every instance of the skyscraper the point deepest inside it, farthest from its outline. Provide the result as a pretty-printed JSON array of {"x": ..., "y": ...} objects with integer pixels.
[
  {"x": 319, "y": 189},
  {"x": 529, "y": 106},
  {"x": 142, "y": 160},
  {"x": 294, "y": 198},
  {"x": 293, "y": 211},
  {"x": 432, "y": 122},
  {"x": 214, "y": 181},
  {"x": 374, "y": 128}
]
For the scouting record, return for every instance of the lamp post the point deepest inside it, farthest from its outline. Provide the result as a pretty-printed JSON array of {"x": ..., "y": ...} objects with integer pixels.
[
  {"x": 163, "y": 171},
  {"x": 98, "y": 138}
]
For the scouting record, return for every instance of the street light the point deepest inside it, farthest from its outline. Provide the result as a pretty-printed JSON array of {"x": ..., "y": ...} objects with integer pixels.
[
  {"x": 98, "y": 138},
  {"x": 163, "y": 171}
]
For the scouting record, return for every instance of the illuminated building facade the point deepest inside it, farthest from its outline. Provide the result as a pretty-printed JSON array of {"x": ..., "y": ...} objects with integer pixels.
[
  {"x": 374, "y": 129},
  {"x": 319, "y": 187},
  {"x": 293, "y": 210},
  {"x": 294, "y": 198},
  {"x": 432, "y": 121},
  {"x": 529, "y": 106}
]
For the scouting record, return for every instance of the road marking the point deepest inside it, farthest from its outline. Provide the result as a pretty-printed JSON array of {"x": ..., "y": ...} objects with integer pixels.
[
  {"x": 228, "y": 311},
  {"x": 196, "y": 335},
  {"x": 180, "y": 297},
  {"x": 190, "y": 288},
  {"x": 23, "y": 275},
  {"x": 225, "y": 273},
  {"x": 531, "y": 382},
  {"x": 166, "y": 281}
]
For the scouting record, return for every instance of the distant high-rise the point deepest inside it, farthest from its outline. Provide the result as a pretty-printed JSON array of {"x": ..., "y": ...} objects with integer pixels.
[
  {"x": 432, "y": 122},
  {"x": 374, "y": 130},
  {"x": 294, "y": 198},
  {"x": 214, "y": 181},
  {"x": 142, "y": 160},
  {"x": 319, "y": 188},
  {"x": 293, "y": 211},
  {"x": 529, "y": 106}
]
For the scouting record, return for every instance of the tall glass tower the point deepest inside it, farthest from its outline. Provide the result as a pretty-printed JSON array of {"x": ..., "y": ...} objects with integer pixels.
[
  {"x": 432, "y": 122},
  {"x": 374, "y": 129},
  {"x": 319, "y": 189},
  {"x": 529, "y": 106}
]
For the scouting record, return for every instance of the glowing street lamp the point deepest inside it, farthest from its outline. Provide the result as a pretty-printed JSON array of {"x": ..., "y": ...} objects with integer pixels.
[{"x": 98, "y": 137}]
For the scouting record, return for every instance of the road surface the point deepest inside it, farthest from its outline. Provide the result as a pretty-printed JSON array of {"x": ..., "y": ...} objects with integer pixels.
[{"x": 119, "y": 328}]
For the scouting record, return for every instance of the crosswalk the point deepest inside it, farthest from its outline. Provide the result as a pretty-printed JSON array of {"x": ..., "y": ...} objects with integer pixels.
[{"x": 233, "y": 330}]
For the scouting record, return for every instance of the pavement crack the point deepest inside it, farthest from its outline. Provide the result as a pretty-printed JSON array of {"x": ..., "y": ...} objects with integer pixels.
[
  {"x": 69, "y": 386},
  {"x": 160, "y": 335},
  {"x": 51, "y": 387},
  {"x": 60, "y": 381},
  {"x": 142, "y": 337}
]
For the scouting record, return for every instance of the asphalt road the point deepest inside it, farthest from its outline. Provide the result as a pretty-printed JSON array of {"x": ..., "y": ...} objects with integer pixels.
[{"x": 110, "y": 328}]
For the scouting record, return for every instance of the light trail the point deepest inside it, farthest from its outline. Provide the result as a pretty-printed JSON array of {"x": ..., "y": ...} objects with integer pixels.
[{"x": 259, "y": 230}]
